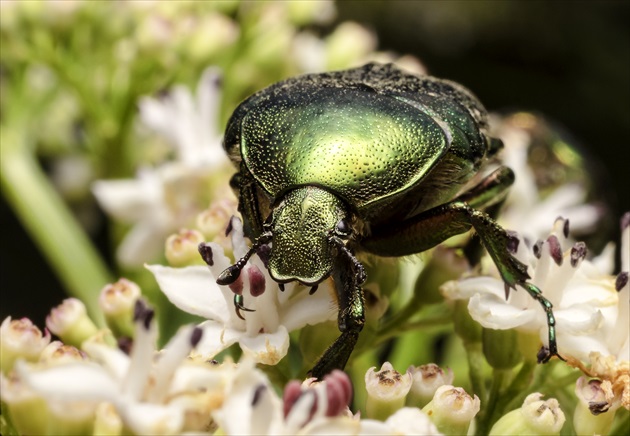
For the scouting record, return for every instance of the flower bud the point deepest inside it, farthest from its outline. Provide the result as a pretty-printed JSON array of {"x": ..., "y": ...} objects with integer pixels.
[
  {"x": 107, "y": 422},
  {"x": 20, "y": 338},
  {"x": 535, "y": 417},
  {"x": 70, "y": 322},
  {"x": 386, "y": 390},
  {"x": 593, "y": 413},
  {"x": 305, "y": 13},
  {"x": 29, "y": 412},
  {"x": 213, "y": 34},
  {"x": 469, "y": 330},
  {"x": 452, "y": 410},
  {"x": 348, "y": 44},
  {"x": 500, "y": 348},
  {"x": 117, "y": 301},
  {"x": 213, "y": 221},
  {"x": 426, "y": 380},
  {"x": 181, "y": 248},
  {"x": 56, "y": 352}
]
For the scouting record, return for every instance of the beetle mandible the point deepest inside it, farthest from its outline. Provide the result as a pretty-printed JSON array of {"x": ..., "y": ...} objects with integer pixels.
[{"x": 371, "y": 159}]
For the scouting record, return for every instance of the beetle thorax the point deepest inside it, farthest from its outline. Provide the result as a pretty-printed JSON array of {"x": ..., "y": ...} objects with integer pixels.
[{"x": 302, "y": 225}]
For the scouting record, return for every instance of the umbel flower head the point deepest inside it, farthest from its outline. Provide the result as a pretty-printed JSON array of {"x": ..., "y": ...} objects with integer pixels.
[{"x": 152, "y": 393}]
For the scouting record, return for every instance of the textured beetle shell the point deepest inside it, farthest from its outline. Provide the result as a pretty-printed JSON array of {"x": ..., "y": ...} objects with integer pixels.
[{"x": 371, "y": 135}]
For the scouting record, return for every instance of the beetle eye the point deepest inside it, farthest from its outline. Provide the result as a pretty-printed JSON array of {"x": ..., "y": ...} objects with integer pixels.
[{"x": 343, "y": 228}]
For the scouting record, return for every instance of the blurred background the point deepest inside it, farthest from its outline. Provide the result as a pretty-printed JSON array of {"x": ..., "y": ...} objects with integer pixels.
[{"x": 569, "y": 61}]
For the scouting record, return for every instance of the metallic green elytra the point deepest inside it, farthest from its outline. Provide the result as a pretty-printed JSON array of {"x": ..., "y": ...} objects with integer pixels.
[{"x": 373, "y": 160}]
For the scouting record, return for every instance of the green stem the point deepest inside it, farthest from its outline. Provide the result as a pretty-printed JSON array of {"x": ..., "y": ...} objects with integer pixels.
[
  {"x": 476, "y": 361},
  {"x": 439, "y": 315},
  {"x": 519, "y": 386},
  {"x": 50, "y": 223},
  {"x": 486, "y": 421}
]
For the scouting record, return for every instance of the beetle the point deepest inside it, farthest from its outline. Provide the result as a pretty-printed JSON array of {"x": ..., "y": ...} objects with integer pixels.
[{"x": 370, "y": 159}]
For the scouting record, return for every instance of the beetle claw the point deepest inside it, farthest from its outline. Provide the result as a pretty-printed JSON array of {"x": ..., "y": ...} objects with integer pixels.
[{"x": 238, "y": 306}]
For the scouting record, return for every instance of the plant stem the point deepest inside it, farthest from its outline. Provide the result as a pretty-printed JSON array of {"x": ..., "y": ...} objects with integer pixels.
[{"x": 49, "y": 222}]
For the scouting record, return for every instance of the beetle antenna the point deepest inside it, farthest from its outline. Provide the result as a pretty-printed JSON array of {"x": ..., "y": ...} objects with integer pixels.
[
  {"x": 231, "y": 273},
  {"x": 358, "y": 266}
]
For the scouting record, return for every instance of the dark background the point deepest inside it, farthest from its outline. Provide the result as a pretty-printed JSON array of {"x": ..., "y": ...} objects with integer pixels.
[{"x": 567, "y": 60}]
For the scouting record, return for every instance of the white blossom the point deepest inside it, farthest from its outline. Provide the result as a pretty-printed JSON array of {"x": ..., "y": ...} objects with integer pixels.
[
  {"x": 263, "y": 332},
  {"x": 584, "y": 300},
  {"x": 141, "y": 386},
  {"x": 160, "y": 200}
]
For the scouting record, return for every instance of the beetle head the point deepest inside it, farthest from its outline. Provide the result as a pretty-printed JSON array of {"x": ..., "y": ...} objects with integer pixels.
[{"x": 302, "y": 226}]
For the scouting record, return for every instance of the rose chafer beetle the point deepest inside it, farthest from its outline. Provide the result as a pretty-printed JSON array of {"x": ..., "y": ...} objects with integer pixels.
[{"x": 373, "y": 160}]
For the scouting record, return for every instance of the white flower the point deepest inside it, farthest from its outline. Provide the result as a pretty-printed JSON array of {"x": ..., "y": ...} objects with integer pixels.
[
  {"x": 611, "y": 362},
  {"x": 141, "y": 387},
  {"x": 526, "y": 207},
  {"x": 251, "y": 406},
  {"x": 190, "y": 123},
  {"x": 263, "y": 332},
  {"x": 584, "y": 300},
  {"x": 161, "y": 200}
]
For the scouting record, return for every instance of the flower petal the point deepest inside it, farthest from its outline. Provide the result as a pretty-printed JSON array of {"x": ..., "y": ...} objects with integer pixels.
[
  {"x": 149, "y": 418},
  {"x": 192, "y": 289},
  {"x": 495, "y": 313},
  {"x": 129, "y": 199},
  {"x": 216, "y": 338},
  {"x": 267, "y": 348},
  {"x": 71, "y": 382},
  {"x": 305, "y": 309}
]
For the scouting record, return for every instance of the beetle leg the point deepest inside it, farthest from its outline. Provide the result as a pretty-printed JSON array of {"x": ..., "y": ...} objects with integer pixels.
[
  {"x": 347, "y": 279},
  {"x": 231, "y": 273},
  {"x": 491, "y": 191},
  {"x": 238, "y": 306},
  {"x": 434, "y": 226},
  {"x": 489, "y": 195}
]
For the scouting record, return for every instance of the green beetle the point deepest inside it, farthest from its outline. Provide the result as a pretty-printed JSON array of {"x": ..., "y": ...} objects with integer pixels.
[{"x": 373, "y": 160}]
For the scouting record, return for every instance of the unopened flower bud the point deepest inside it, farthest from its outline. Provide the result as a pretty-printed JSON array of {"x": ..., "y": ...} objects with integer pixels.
[
  {"x": 452, "y": 410},
  {"x": 181, "y": 249},
  {"x": 348, "y": 44},
  {"x": 426, "y": 380},
  {"x": 305, "y": 13},
  {"x": 500, "y": 348},
  {"x": 117, "y": 301},
  {"x": 106, "y": 421},
  {"x": 56, "y": 352},
  {"x": 593, "y": 413},
  {"x": 386, "y": 390},
  {"x": 304, "y": 401},
  {"x": 535, "y": 417},
  {"x": 20, "y": 338},
  {"x": 71, "y": 322},
  {"x": 213, "y": 221},
  {"x": 21, "y": 403}
]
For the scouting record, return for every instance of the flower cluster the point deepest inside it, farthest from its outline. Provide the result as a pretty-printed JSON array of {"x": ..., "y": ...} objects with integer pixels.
[{"x": 167, "y": 350}]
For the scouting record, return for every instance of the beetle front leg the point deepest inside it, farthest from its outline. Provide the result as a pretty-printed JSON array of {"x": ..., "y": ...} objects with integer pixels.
[
  {"x": 347, "y": 279},
  {"x": 436, "y": 225}
]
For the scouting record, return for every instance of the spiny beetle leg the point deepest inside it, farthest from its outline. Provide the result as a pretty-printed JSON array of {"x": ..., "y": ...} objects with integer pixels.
[{"x": 347, "y": 278}]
